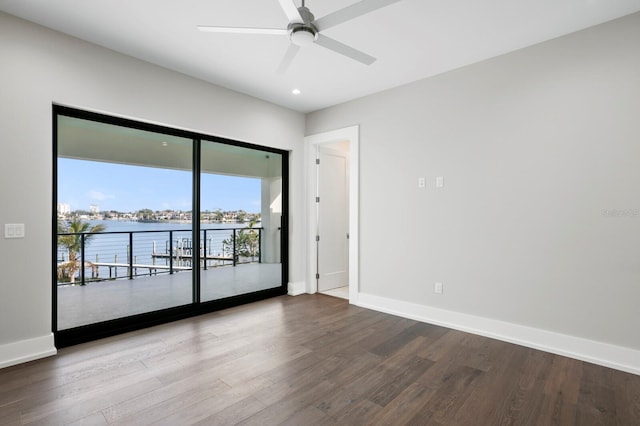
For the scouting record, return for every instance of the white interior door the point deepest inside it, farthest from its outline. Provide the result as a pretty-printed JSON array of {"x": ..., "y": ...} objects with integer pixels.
[{"x": 333, "y": 218}]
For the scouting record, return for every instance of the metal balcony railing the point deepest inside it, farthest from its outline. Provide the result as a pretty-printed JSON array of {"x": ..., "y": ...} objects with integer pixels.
[{"x": 90, "y": 257}]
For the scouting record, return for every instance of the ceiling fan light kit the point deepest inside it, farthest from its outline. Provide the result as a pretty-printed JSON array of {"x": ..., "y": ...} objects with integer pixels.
[
  {"x": 302, "y": 35},
  {"x": 304, "y": 30}
]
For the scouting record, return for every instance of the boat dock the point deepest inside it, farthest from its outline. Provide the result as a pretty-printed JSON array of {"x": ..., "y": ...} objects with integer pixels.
[
  {"x": 153, "y": 269},
  {"x": 188, "y": 256}
]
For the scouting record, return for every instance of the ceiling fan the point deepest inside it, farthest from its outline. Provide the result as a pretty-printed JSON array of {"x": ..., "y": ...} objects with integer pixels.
[{"x": 304, "y": 29}]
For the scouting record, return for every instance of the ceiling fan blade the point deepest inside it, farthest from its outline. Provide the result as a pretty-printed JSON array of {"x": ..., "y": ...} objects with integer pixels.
[
  {"x": 291, "y": 53},
  {"x": 290, "y": 9},
  {"x": 345, "y": 50},
  {"x": 357, "y": 9},
  {"x": 243, "y": 30}
]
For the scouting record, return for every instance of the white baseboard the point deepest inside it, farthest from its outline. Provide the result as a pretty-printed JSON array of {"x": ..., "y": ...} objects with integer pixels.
[
  {"x": 26, "y": 350},
  {"x": 605, "y": 354},
  {"x": 297, "y": 288}
]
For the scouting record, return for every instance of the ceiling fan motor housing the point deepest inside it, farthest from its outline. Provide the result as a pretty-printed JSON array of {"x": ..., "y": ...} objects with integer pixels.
[{"x": 306, "y": 33}]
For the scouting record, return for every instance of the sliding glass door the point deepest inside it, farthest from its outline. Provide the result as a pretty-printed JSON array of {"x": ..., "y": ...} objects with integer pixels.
[{"x": 127, "y": 240}]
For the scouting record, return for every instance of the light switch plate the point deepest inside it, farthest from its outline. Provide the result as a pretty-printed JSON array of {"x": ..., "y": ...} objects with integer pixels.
[{"x": 14, "y": 230}]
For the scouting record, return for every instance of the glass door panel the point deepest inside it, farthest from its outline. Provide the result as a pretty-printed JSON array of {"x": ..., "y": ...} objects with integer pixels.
[
  {"x": 124, "y": 237},
  {"x": 240, "y": 220}
]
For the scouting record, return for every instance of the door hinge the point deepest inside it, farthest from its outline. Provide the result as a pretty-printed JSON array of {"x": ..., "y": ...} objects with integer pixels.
[
  {"x": 347, "y": 235},
  {"x": 317, "y": 237},
  {"x": 317, "y": 161},
  {"x": 317, "y": 199},
  {"x": 317, "y": 276}
]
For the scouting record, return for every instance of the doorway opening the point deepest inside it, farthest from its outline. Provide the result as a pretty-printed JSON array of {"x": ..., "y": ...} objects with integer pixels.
[
  {"x": 333, "y": 213},
  {"x": 332, "y": 218}
]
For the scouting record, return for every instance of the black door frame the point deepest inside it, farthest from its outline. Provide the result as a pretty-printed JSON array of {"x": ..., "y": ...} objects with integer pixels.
[{"x": 112, "y": 327}]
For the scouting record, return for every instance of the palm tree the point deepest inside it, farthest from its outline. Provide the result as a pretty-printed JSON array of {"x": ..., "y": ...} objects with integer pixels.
[{"x": 71, "y": 236}]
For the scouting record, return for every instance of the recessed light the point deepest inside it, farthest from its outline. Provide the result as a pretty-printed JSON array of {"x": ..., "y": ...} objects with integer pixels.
[
  {"x": 296, "y": 91},
  {"x": 164, "y": 143}
]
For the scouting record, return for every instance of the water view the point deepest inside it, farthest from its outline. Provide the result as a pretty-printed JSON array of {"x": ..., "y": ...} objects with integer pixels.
[{"x": 159, "y": 248}]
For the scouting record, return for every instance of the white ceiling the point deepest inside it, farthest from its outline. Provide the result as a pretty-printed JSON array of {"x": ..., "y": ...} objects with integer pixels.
[{"x": 411, "y": 39}]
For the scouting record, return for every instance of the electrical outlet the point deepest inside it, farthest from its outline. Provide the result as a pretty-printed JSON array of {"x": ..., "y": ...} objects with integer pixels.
[{"x": 437, "y": 288}]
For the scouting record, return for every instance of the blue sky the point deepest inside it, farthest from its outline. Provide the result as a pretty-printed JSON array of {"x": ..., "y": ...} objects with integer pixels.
[{"x": 128, "y": 188}]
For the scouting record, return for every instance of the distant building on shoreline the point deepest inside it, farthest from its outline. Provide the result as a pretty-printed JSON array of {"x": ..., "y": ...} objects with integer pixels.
[{"x": 64, "y": 209}]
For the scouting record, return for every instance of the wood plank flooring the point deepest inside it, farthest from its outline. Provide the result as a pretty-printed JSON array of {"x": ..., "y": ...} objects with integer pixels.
[{"x": 312, "y": 360}]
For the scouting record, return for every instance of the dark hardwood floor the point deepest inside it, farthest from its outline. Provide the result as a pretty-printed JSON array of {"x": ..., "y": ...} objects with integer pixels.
[{"x": 312, "y": 360}]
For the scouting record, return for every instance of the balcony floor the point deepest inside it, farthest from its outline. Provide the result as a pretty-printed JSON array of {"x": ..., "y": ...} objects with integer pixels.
[{"x": 105, "y": 300}]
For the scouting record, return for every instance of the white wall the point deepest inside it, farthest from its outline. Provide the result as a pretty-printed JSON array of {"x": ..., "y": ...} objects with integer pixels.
[
  {"x": 539, "y": 149},
  {"x": 40, "y": 67}
]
